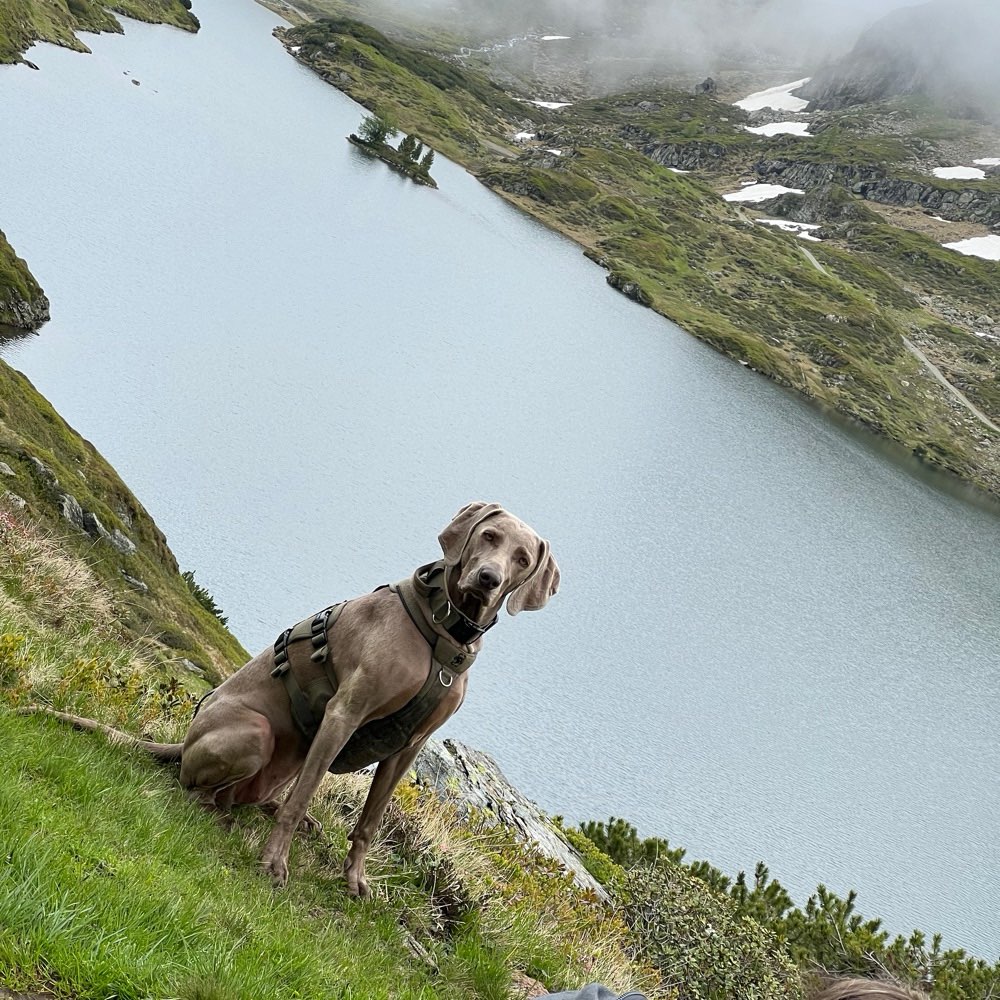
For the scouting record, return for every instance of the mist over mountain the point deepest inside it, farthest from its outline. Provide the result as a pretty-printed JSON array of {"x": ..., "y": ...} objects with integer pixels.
[
  {"x": 945, "y": 50},
  {"x": 696, "y": 35}
]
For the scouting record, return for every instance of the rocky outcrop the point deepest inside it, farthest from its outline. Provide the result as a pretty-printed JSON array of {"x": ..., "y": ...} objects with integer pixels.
[
  {"x": 473, "y": 782},
  {"x": 969, "y": 204},
  {"x": 23, "y": 304},
  {"x": 826, "y": 203},
  {"x": 697, "y": 155}
]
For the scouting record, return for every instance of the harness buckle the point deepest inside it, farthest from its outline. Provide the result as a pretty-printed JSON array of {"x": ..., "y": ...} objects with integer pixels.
[
  {"x": 438, "y": 621},
  {"x": 441, "y": 676}
]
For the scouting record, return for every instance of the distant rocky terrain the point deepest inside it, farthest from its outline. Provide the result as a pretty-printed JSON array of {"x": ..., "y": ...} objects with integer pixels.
[{"x": 945, "y": 51}]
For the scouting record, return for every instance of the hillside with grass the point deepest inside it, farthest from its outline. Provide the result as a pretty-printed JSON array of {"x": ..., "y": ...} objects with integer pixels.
[
  {"x": 23, "y": 304},
  {"x": 829, "y": 319},
  {"x": 24, "y": 22}
]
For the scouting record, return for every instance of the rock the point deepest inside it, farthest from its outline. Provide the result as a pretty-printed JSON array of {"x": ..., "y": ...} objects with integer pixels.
[
  {"x": 472, "y": 780},
  {"x": 14, "y": 500},
  {"x": 630, "y": 289},
  {"x": 135, "y": 583},
  {"x": 29, "y": 64},
  {"x": 6, "y": 470},
  {"x": 648, "y": 106},
  {"x": 707, "y": 86},
  {"x": 122, "y": 542},
  {"x": 93, "y": 526},
  {"x": 191, "y": 667},
  {"x": 43, "y": 471},
  {"x": 135, "y": 82},
  {"x": 70, "y": 508}
]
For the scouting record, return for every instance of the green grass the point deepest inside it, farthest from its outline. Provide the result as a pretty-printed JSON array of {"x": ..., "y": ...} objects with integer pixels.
[
  {"x": 166, "y": 616},
  {"x": 17, "y": 285},
  {"x": 23, "y": 22}
]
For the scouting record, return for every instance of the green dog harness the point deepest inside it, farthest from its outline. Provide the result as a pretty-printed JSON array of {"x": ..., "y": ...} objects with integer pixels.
[{"x": 424, "y": 596}]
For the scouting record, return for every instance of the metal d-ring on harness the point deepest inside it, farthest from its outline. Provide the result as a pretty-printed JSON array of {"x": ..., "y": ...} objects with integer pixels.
[{"x": 425, "y": 599}]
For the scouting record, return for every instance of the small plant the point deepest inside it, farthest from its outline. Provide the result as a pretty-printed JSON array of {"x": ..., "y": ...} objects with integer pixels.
[{"x": 203, "y": 597}]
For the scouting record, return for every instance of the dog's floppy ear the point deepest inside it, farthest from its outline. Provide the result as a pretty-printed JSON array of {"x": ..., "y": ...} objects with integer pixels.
[
  {"x": 456, "y": 536},
  {"x": 543, "y": 582}
]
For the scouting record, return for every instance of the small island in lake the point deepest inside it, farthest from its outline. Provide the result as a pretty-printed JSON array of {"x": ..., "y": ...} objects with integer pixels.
[{"x": 409, "y": 158}]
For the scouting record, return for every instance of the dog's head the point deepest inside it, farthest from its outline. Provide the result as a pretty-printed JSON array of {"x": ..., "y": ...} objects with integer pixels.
[{"x": 493, "y": 555}]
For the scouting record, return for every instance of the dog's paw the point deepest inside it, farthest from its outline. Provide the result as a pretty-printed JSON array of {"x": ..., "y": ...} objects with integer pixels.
[
  {"x": 309, "y": 824},
  {"x": 277, "y": 868}
]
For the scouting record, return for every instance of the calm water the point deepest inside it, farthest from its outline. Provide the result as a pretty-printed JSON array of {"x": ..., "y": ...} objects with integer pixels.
[{"x": 771, "y": 641}]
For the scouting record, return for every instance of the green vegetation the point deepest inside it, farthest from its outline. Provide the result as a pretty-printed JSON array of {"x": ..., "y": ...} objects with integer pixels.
[
  {"x": 22, "y": 303},
  {"x": 51, "y": 462},
  {"x": 834, "y": 333},
  {"x": 373, "y": 135},
  {"x": 23, "y": 22},
  {"x": 750, "y": 920}
]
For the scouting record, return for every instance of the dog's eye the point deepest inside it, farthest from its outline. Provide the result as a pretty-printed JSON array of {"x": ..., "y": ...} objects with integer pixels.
[
  {"x": 488, "y": 536},
  {"x": 525, "y": 562}
]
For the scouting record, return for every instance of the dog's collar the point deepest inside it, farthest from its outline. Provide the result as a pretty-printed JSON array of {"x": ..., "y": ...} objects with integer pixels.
[
  {"x": 425, "y": 598},
  {"x": 431, "y": 583}
]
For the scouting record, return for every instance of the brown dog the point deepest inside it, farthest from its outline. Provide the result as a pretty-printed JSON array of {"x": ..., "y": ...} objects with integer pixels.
[{"x": 397, "y": 655}]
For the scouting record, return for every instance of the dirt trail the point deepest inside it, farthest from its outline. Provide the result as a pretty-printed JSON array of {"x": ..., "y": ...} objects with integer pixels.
[{"x": 923, "y": 359}]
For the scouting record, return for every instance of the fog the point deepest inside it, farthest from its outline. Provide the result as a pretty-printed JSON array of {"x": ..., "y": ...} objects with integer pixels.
[{"x": 701, "y": 34}]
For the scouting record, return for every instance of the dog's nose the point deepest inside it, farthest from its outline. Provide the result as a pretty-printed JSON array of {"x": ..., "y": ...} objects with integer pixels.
[{"x": 489, "y": 578}]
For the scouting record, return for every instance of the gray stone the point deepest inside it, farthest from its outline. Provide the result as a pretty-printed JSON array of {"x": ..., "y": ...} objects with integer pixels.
[
  {"x": 472, "y": 780},
  {"x": 15, "y": 501},
  {"x": 122, "y": 542},
  {"x": 43, "y": 470},
  {"x": 93, "y": 526},
  {"x": 70, "y": 508},
  {"x": 6, "y": 470},
  {"x": 135, "y": 583},
  {"x": 192, "y": 667}
]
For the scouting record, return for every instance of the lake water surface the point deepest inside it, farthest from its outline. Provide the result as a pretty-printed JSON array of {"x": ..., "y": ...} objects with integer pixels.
[{"x": 771, "y": 643}]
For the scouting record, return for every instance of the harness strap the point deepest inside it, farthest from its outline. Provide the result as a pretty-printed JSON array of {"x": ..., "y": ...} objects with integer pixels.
[
  {"x": 301, "y": 702},
  {"x": 444, "y": 652}
]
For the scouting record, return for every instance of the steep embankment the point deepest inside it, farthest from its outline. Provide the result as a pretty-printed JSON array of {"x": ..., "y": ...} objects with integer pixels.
[
  {"x": 592, "y": 171},
  {"x": 50, "y": 473},
  {"x": 24, "y": 22},
  {"x": 23, "y": 305}
]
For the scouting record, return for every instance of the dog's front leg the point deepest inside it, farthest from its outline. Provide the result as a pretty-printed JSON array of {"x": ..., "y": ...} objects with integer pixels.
[
  {"x": 335, "y": 730},
  {"x": 387, "y": 776}
]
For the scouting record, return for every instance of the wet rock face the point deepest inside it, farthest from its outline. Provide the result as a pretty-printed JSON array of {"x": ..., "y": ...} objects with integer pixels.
[{"x": 472, "y": 780}]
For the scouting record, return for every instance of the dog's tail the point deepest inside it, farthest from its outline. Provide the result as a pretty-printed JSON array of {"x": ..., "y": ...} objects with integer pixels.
[{"x": 165, "y": 753}]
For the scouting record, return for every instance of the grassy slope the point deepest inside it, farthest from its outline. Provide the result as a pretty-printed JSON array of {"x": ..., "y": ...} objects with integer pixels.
[
  {"x": 114, "y": 884},
  {"x": 23, "y": 22},
  {"x": 166, "y": 619},
  {"x": 17, "y": 285},
  {"x": 745, "y": 289}
]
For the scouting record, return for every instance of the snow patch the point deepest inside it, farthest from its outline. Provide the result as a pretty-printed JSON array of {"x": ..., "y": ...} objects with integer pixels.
[
  {"x": 781, "y": 128},
  {"x": 780, "y": 98},
  {"x": 960, "y": 173},
  {"x": 523, "y": 136},
  {"x": 989, "y": 161},
  {"x": 788, "y": 225},
  {"x": 987, "y": 247},
  {"x": 555, "y": 38},
  {"x": 554, "y": 152},
  {"x": 552, "y": 105},
  {"x": 677, "y": 170},
  {"x": 760, "y": 192}
]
